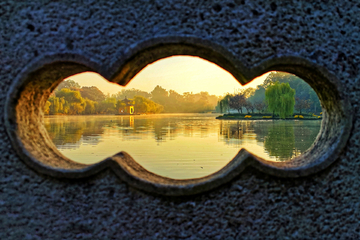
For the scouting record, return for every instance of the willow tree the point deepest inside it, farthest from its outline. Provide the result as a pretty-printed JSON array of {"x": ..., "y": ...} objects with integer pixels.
[
  {"x": 224, "y": 104},
  {"x": 280, "y": 99}
]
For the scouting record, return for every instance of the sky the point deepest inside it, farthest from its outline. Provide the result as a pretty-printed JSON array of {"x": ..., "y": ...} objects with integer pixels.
[{"x": 179, "y": 73}]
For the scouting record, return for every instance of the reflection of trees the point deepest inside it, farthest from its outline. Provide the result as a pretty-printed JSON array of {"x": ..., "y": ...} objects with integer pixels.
[
  {"x": 234, "y": 133},
  {"x": 63, "y": 132},
  {"x": 290, "y": 139},
  {"x": 195, "y": 126},
  {"x": 160, "y": 130},
  {"x": 261, "y": 129},
  {"x": 280, "y": 141},
  {"x": 237, "y": 130},
  {"x": 305, "y": 134},
  {"x": 170, "y": 128},
  {"x": 137, "y": 128},
  {"x": 232, "y": 130},
  {"x": 129, "y": 128}
]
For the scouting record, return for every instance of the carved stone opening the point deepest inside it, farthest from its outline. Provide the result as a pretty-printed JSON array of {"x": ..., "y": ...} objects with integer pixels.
[{"x": 28, "y": 95}]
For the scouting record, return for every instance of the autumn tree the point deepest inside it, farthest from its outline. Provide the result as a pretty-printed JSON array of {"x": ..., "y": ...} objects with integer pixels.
[
  {"x": 175, "y": 102},
  {"x": 248, "y": 92},
  {"x": 159, "y": 95},
  {"x": 130, "y": 94},
  {"x": 280, "y": 99},
  {"x": 249, "y": 107},
  {"x": 92, "y": 93},
  {"x": 237, "y": 102},
  {"x": 109, "y": 106},
  {"x": 69, "y": 95},
  {"x": 69, "y": 84},
  {"x": 47, "y": 107},
  {"x": 301, "y": 104},
  {"x": 144, "y": 105},
  {"x": 54, "y": 105},
  {"x": 260, "y": 106},
  {"x": 90, "y": 106}
]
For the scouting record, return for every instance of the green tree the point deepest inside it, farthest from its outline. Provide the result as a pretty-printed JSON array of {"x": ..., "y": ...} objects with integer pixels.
[
  {"x": 223, "y": 104},
  {"x": 302, "y": 89},
  {"x": 280, "y": 99}
]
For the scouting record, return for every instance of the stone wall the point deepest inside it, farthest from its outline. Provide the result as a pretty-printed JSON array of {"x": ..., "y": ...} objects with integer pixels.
[{"x": 36, "y": 205}]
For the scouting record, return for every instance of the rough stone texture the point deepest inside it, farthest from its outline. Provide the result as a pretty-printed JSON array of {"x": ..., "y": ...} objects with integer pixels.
[{"x": 254, "y": 205}]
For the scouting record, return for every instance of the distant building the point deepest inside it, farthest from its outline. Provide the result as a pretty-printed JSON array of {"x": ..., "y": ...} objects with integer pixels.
[{"x": 126, "y": 107}]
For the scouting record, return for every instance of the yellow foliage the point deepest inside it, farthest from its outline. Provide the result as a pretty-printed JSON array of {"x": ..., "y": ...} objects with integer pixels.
[
  {"x": 320, "y": 113},
  {"x": 296, "y": 116},
  {"x": 301, "y": 116},
  {"x": 319, "y": 116},
  {"x": 247, "y": 116}
]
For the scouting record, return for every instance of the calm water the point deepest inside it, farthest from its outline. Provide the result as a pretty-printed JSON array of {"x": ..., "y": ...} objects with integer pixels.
[{"x": 178, "y": 146}]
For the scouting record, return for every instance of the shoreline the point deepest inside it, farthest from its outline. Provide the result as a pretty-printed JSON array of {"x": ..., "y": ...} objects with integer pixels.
[
  {"x": 258, "y": 116},
  {"x": 232, "y": 118}
]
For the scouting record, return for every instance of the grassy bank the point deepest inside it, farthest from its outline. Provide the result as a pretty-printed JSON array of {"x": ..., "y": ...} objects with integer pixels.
[{"x": 268, "y": 116}]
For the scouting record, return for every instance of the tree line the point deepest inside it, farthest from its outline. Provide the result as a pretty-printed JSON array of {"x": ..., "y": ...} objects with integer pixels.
[
  {"x": 279, "y": 94},
  {"x": 70, "y": 98}
]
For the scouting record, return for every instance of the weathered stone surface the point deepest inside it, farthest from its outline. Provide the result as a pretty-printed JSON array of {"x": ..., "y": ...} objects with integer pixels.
[{"x": 254, "y": 205}]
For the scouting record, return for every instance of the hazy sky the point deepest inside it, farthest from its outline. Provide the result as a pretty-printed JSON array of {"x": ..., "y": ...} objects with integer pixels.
[{"x": 179, "y": 73}]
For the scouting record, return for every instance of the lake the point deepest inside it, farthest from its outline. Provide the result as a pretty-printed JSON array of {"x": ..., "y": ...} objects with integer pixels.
[{"x": 178, "y": 146}]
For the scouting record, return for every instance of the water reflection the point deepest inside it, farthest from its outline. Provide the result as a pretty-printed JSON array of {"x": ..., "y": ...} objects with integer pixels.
[
  {"x": 281, "y": 140},
  {"x": 178, "y": 145},
  {"x": 71, "y": 134}
]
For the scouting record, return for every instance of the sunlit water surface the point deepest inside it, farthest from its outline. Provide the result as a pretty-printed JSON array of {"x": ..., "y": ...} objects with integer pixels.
[{"x": 178, "y": 146}]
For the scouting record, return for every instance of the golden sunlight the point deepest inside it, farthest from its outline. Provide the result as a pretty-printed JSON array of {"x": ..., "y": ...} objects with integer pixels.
[{"x": 178, "y": 73}]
